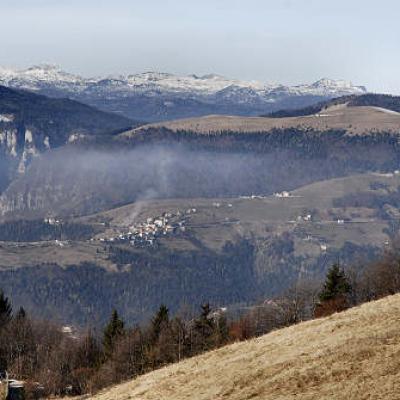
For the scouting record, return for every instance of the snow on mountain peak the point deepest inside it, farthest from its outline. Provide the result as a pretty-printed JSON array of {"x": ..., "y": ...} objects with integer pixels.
[
  {"x": 50, "y": 76},
  {"x": 338, "y": 84},
  {"x": 48, "y": 72},
  {"x": 326, "y": 82}
]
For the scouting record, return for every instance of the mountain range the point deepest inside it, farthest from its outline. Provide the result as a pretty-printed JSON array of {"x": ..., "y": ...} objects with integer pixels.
[{"x": 155, "y": 96}]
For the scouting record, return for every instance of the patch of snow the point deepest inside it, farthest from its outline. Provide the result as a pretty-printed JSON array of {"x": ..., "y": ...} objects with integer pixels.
[
  {"x": 386, "y": 111},
  {"x": 28, "y": 136},
  {"x": 46, "y": 142},
  {"x": 12, "y": 143}
]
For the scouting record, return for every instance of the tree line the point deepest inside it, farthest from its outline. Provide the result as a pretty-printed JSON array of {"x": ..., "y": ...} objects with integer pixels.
[{"x": 38, "y": 230}]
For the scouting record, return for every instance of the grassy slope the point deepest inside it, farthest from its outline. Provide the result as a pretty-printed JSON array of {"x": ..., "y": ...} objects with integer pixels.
[
  {"x": 356, "y": 120},
  {"x": 352, "y": 355}
]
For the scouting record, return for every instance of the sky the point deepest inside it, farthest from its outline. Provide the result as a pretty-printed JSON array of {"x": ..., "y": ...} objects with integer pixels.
[{"x": 282, "y": 41}]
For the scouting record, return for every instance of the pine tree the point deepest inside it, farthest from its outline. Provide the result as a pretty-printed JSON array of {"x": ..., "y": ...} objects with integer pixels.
[
  {"x": 205, "y": 315},
  {"x": 5, "y": 309},
  {"x": 334, "y": 295},
  {"x": 204, "y": 327},
  {"x": 21, "y": 314},
  {"x": 336, "y": 284},
  {"x": 160, "y": 320},
  {"x": 113, "y": 330}
]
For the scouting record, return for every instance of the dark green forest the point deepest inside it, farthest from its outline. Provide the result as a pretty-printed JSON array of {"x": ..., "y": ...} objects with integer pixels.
[
  {"x": 85, "y": 294},
  {"x": 38, "y": 230}
]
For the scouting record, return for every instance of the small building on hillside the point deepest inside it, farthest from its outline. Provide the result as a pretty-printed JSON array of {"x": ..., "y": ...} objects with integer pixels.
[{"x": 282, "y": 194}]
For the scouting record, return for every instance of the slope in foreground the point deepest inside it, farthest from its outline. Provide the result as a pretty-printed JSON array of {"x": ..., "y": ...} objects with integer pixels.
[{"x": 352, "y": 355}]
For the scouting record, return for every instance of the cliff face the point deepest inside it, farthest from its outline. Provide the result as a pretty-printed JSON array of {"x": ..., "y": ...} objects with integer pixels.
[
  {"x": 20, "y": 144},
  {"x": 32, "y": 124},
  {"x": 15, "y": 151}
]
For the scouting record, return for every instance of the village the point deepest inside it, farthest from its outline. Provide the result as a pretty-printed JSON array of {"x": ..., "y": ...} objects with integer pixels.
[{"x": 147, "y": 233}]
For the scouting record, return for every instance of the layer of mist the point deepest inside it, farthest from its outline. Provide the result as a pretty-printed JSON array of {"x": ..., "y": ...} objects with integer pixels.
[{"x": 75, "y": 180}]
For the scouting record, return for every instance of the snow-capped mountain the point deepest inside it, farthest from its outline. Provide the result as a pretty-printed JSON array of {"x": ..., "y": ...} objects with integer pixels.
[{"x": 156, "y": 96}]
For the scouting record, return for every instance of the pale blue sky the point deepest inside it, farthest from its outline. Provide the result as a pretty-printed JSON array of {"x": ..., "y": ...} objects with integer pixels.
[{"x": 286, "y": 41}]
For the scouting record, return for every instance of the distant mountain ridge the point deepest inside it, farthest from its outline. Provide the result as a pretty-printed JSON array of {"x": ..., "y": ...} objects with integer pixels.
[{"x": 155, "y": 96}]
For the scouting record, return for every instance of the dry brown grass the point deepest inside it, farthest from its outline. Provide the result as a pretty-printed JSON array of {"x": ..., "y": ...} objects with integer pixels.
[
  {"x": 355, "y": 120},
  {"x": 352, "y": 355}
]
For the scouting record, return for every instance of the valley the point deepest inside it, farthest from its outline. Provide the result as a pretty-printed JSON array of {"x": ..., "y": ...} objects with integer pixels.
[
  {"x": 283, "y": 237},
  {"x": 230, "y": 210}
]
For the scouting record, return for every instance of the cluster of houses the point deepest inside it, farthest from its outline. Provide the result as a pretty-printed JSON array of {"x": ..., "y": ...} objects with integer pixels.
[
  {"x": 304, "y": 218},
  {"x": 283, "y": 194},
  {"x": 146, "y": 233},
  {"x": 52, "y": 221}
]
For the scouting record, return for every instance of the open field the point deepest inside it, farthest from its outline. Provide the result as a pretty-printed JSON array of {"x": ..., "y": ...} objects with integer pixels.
[
  {"x": 351, "y": 355},
  {"x": 352, "y": 119},
  {"x": 29, "y": 254}
]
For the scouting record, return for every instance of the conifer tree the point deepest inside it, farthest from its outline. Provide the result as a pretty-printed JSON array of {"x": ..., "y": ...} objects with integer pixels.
[
  {"x": 113, "y": 330},
  {"x": 5, "y": 310},
  {"x": 21, "y": 314},
  {"x": 336, "y": 284},
  {"x": 160, "y": 320},
  {"x": 204, "y": 327}
]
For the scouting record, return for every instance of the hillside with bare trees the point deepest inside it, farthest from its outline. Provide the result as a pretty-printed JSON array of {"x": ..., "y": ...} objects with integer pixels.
[{"x": 350, "y": 355}]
